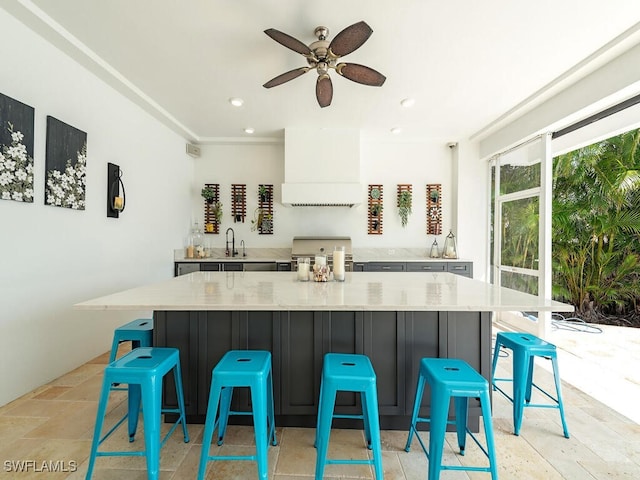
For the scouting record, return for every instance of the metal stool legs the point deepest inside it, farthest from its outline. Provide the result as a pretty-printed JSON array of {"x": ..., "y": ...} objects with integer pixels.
[
  {"x": 525, "y": 347},
  {"x": 451, "y": 378},
  {"x": 241, "y": 368},
  {"x": 354, "y": 373},
  {"x": 143, "y": 369}
]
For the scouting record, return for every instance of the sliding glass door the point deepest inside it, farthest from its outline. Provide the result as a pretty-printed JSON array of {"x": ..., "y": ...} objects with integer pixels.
[{"x": 520, "y": 226}]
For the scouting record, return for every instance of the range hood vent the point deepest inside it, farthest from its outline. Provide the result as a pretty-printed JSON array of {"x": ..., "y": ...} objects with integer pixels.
[{"x": 322, "y": 168}]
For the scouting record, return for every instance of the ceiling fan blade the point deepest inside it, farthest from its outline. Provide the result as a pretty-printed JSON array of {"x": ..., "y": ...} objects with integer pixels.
[
  {"x": 285, "y": 77},
  {"x": 350, "y": 39},
  {"x": 324, "y": 90},
  {"x": 361, "y": 74},
  {"x": 288, "y": 41}
]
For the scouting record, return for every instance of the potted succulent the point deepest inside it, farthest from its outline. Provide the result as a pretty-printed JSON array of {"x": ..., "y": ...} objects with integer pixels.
[
  {"x": 267, "y": 224},
  {"x": 258, "y": 217},
  {"x": 216, "y": 209},
  {"x": 263, "y": 192},
  {"x": 208, "y": 194},
  {"x": 376, "y": 209},
  {"x": 404, "y": 206}
]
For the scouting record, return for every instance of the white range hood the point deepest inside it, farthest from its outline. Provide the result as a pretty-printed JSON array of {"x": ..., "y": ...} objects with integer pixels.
[{"x": 321, "y": 168}]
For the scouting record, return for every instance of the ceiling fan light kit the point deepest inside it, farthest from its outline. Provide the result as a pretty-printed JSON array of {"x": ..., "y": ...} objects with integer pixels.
[{"x": 323, "y": 55}]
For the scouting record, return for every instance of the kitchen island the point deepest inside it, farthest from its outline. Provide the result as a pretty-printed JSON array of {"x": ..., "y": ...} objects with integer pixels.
[{"x": 394, "y": 318}]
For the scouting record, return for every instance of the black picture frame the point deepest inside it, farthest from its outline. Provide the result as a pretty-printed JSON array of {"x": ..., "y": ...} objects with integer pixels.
[
  {"x": 65, "y": 165},
  {"x": 16, "y": 146}
]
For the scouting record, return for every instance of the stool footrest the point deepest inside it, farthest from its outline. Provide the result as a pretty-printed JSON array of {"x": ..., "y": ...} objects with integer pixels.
[
  {"x": 535, "y": 405},
  {"x": 139, "y": 453},
  {"x": 232, "y": 457},
  {"x": 348, "y": 462},
  {"x": 351, "y": 416},
  {"x": 233, "y": 412},
  {"x": 459, "y": 467}
]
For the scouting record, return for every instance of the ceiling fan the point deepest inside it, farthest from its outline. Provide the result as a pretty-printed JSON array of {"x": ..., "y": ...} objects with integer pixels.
[{"x": 322, "y": 56}]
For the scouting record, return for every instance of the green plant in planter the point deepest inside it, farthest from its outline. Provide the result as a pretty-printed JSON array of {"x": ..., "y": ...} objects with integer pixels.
[
  {"x": 433, "y": 195},
  {"x": 216, "y": 209},
  {"x": 404, "y": 206},
  {"x": 258, "y": 217},
  {"x": 376, "y": 209},
  {"x": 263, "y": 193},
  {"x": 208, "y": 194}
]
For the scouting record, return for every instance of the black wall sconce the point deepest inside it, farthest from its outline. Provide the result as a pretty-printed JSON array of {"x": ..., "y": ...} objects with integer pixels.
[{"x": 116, "y": 199}]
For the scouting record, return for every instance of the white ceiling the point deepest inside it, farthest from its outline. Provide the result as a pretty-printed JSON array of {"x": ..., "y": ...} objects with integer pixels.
[{"x": 468, "y": 64}]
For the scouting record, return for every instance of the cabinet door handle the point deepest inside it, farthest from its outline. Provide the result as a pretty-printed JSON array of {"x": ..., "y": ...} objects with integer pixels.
[
  {"x": 459, "y": 268},
  {"x": 384, "y": 267},
  {"x": 426, "y": 267}
]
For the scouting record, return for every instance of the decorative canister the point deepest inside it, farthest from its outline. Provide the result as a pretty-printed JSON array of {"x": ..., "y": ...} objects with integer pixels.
[
  {"x": 303, "y": 269},
  {"x": 338, "y": 264}
]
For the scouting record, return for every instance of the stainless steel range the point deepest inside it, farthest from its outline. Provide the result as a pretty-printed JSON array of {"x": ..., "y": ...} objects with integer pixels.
[{"x": 312, "y": 246}]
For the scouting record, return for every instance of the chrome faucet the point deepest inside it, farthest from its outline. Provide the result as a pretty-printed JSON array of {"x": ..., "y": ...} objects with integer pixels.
[
  {"x": 244, "y": 253},
  {"x": 233, "y": 252}
]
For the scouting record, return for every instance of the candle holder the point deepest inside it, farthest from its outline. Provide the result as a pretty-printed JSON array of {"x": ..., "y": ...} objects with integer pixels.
[
  {"x": 450, "y": 250},
  {"x": 116, "y": 197},
  {"x": 338, "y": 264},
  {"x": 434, "y": 252},
  {"x": 304, "y": 269}
]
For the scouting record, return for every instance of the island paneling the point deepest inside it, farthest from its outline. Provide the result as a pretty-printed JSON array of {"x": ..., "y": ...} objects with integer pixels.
[{"x": 395, "y": 341}]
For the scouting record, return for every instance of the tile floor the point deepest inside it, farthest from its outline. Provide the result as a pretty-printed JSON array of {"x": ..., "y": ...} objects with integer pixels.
[{"x": 49, "y": 430}]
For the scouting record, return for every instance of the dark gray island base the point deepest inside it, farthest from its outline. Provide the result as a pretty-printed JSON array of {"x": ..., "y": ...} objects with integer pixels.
[{"x": 395, "y": 341}]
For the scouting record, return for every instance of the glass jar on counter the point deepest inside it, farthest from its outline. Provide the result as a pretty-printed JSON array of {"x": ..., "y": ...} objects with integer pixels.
[
  {"x": 304, "y": 269},
  {"x": 338, "y": 264}
]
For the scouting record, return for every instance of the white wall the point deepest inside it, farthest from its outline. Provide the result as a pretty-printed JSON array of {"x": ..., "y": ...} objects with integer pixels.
[
  {"x": 55, "y": 257},
  {"x": 387, "y": 163}
]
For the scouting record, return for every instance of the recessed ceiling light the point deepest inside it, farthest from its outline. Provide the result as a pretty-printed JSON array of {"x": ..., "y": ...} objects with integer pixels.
[
  {"x": 249, "y": 130},
  {"x": 236, "y": 102},
  {"x": 396, "y": 130},
  {"x": 408, "y": 102}
]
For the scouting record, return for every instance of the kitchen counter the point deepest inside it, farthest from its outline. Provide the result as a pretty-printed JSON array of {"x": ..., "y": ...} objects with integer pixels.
[
  {"x": 394, "y": 318},
  {"x": 403, "y": 291},
  {"x": 284, "y": 255},
  {"x": 253, "y": 255}
]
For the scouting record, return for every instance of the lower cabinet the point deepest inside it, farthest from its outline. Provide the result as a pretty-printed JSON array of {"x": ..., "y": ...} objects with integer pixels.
[
  {"x": 394, "y": 341},
  {"x": 460, "y": 268},
  {"x": 182, "y": 268},
  {"x": 385, "y": 267}
]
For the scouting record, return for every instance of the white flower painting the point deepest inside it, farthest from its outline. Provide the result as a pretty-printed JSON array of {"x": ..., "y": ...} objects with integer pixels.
[
  {"x": 66, "y": 165},
  {"x": 16, "y": 150}
]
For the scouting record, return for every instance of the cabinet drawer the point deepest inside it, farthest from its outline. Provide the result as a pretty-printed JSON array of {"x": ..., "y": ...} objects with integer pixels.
[
  {"x": 210, "y": 267},
  {"x": 233, "y": 267},
  {"x": 461, "y": 268},
  {"x": 385, "y": 267},
  {"x": 186, "y": 267},
  {"x": 426, "y": 267}
]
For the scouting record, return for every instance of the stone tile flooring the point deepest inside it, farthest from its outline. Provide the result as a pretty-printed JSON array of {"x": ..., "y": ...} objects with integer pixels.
[{"x": 49, "y": 430}]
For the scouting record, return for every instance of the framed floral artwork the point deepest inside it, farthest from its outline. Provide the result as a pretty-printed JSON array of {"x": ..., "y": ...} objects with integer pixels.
[
  {"x": 16, "y": 150},
  {"x": 66, "y": 165}
]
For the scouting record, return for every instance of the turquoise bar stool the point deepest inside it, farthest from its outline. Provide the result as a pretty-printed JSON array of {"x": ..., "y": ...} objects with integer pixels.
[
  {"x": 525, "y": 348},
  {"x": 450, "y": 377},
  {"x": 351, "y": 373},
  {"x": 241, "y": 368},
  {"x": 144, "y": 370},
  {"x": 139, "y": 332}
]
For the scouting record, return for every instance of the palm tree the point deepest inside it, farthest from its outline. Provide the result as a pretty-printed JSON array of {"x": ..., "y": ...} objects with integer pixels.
[{"x": 596, "y": 225}]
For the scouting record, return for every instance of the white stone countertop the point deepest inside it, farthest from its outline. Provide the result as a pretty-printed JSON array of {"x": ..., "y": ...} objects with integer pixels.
[
  {"x": 368, "y": 291},
  {"x": 284, "y": 255}
]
